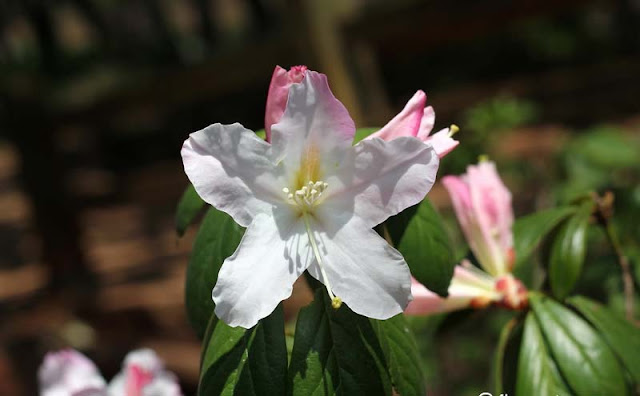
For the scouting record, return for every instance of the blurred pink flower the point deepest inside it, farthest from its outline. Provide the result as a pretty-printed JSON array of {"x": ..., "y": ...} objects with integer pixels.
[
  {"x": 281, "y": 81},
  {"x": 70, "y": 373},
  {"x": 417, "y": 120},
  {"x": 483, "y": 206},
  {"x": 469, "y": 288}
]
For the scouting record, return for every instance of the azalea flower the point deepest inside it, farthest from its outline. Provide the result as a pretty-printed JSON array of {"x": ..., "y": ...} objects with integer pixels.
[
  {"x": 417, "y": 120},
  {"x": 281, "y": 81},
  {"x": 483, "y": 207},
  {"x": 309, "y": 200},
  {"x": 70, "y": 373}
]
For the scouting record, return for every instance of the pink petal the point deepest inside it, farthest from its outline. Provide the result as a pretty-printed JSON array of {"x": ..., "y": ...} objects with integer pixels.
[
  {"x": 426, "y": 123},
  {"x": 407, "y": 122},
  {"x": 278, "y": 93},
  {"x": 442, "y": 142}
]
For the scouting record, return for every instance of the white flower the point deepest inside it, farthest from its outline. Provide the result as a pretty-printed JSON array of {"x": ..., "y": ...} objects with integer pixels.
[{"x": 309, "y": 200}]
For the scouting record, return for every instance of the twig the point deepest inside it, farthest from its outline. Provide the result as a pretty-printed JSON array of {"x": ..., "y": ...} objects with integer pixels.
[{"x": 604, "y": 205}]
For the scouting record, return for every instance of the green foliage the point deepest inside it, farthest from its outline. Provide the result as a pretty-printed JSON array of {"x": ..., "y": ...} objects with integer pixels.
[
  {"x": 528, "y": 231},
  {"x": 537, "y": 371},
  {"x": 568, "y": 251},
  {"x": 420, "y": 236},
  {"x": 236, "y": 361},
  {"x": 498, "y": 114},
  {"x": 582, "y": 356},
  {"x": 336, "y": 352},
  {"x": 217, "y": 238},
  {"x": 401, "y": 355},
  {"x": 189, "y": 206},
  {"x": 620, "y": 334}
]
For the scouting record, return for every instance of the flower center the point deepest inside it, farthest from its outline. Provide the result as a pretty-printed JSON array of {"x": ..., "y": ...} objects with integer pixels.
[{"x": 305, "y": 199}]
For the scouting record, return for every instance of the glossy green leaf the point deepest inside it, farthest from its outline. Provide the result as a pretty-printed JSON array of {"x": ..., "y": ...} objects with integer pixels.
[
  {"x": 189, "y": 206},
  {"x": 401, "y": 355},
  {"x": 419, "y": 234},
  {"x": 529, "y": 230},
  {"x": 568, "y": 252},
  {"x": 336, "y": 352},
  {"x": 583, "y": 357},
  {"x": 537, "y": 372},
  {"x": 245, "y": 362},
  {"x": 362, "y": 133},
  {"x": 622, "y": 336},
  {"x": 217, "y": 239}
]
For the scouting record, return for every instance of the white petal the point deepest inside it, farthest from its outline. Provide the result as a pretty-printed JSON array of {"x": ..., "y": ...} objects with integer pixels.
[
  {"x": 230, "y": 168},
  {"x": 369, "y": 275},
  {"x": 69, "y": 372},
  {"x": 274, "y": 251},
  {"x": 315, "y": 127},
  {"x": 380, "y": 179}
]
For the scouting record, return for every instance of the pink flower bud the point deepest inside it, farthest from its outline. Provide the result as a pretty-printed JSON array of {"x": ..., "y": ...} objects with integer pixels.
[
  {"x": 514, "y": 293},
  {"x": 483, "y": 206},
  {"x": 417, "y": 120},
  {"x": 278, "y": 94}
]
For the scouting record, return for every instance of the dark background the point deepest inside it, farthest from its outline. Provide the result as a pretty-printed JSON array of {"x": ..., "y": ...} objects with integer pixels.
[{"x": 97, "y": 96}]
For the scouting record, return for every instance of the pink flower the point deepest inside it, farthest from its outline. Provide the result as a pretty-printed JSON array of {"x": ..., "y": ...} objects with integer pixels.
[
  {"x": 70, "y": 373},
  {"x": 417, "y": 120},
  {"x": 281, "y": 81},
  {"x": 483, "y": 206}
]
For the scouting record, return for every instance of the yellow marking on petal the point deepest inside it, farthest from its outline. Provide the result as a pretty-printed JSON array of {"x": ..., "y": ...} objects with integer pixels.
[{"x": 309, "y": 167}]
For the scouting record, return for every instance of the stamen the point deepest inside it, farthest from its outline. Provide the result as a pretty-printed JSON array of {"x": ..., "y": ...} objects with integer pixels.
[
  {"x": 453, "y": 129},
  {"x": 307, "y": 196}
]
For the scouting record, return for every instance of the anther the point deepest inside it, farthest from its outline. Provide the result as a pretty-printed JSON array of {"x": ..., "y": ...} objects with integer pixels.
[{"x": 453, "y": 129}]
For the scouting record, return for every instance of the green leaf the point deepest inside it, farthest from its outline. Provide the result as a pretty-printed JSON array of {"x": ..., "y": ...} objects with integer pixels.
[
  {"x": 499, "y": 358},
  {"x": 262, "y": 134},
  {"x": 529, "y": 230},
  {"x": 336, "y": 352},
  {"x": 568, "y": 251},
  {"x": 584, "y": 359},
  {"x": 362, "y": 133},
  {"x": 246, "y": 362},
  {"x": 537, "y": 372},
  {"x": 620, "y": 334},
  {"x": 420, "y": 236},
  {"x": 189, "y": 207},
  {"x": 401, "y": 355},
  {"x": 217, "y": 239}
]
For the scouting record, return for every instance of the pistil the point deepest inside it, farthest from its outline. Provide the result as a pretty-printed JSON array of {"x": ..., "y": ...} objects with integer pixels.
[{"x": 305, "y": 199}]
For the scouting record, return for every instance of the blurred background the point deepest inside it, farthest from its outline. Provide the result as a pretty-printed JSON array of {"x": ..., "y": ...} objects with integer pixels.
[{"x": 97, "y": 96}]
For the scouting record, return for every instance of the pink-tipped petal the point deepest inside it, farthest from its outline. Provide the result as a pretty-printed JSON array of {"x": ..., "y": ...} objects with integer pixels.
[
  {"x": 281, "y": 81},
  {"x": 143, "y": 374},
  {"x": 405, "y": 123},
  {"x": 69, "y": 372}
]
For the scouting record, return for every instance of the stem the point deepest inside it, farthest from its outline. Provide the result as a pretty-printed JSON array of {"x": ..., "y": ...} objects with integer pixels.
[
  {"x": 604, "y": 207},
  {"x": 623, "y": 261}
]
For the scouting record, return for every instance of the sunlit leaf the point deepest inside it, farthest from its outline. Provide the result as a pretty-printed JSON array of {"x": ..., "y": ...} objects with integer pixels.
[
  {"x": 568, "y": 251},
  {"x": 362, "y": 133},
  {"x": 245, "y": 362},
  {"x": 336, "y": 352},
  {"x": 622, "y": 336},
  {"x": 537, "y": 372},
  {"x": 582, "y": 356}
]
